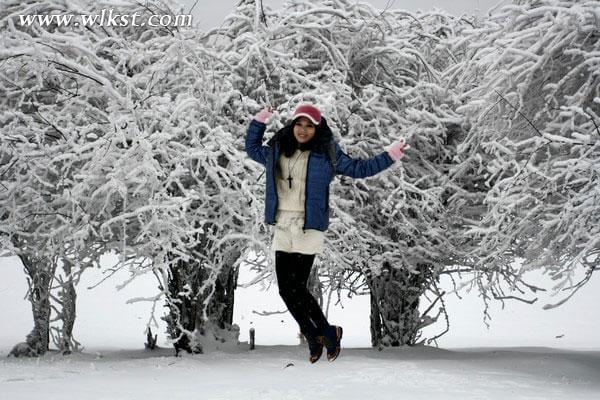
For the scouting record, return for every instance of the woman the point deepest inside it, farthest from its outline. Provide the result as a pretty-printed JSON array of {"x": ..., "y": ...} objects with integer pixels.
[{"x": 301, "y": 160}]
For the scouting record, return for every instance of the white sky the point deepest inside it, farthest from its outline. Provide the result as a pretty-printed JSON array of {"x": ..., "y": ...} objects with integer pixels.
[{"x": 210, "y": 13}]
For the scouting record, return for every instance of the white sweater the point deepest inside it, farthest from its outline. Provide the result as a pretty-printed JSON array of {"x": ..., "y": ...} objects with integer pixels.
[
  {"x": 292, "y": 199},
  {"x": 289, "y": 233}
]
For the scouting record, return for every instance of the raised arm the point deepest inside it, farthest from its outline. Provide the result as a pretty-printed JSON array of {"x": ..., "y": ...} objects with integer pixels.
[
  {"x": 254, "y": 136},
  {"x": 254, "y": 146},
  {"x": 357, "y": 168}
]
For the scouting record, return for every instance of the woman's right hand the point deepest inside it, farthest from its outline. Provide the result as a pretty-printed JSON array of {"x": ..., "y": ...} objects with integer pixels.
[{"x": 264, "y": 115}]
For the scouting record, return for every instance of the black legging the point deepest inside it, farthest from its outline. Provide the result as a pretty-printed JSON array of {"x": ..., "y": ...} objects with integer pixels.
[{"x": 293, "y": 270}]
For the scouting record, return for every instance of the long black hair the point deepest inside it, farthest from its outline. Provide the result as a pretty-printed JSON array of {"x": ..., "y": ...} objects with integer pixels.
[{"x": 319, "y": 143}]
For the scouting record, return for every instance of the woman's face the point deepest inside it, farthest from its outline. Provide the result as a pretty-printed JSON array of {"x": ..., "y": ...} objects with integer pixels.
[{"x": 304, "y": 130}]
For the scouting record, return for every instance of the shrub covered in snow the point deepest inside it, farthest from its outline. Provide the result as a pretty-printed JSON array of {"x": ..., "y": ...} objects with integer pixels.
[{"x": 532, "y": 95}]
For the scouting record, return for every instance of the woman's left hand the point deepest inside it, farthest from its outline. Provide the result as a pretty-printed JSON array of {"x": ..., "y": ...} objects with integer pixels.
[{"x": 398, "y": 149}]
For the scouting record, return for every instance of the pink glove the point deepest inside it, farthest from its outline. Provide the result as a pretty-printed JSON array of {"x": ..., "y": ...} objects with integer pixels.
[
  {"x": 398, "y": 149},
  {"x": 264, "y": 115}
]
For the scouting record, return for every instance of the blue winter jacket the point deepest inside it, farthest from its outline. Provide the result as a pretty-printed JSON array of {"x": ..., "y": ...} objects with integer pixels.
[{"x": 318, "y": 175}]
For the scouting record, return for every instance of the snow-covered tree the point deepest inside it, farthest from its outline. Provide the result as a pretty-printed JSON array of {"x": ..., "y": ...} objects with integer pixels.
[
  {"x": 44, "y": 132},
  {"x": 397, "y": 228},
  {"x": 119, "y": 140},
  {"x": 376, "y": 77},
  {"x": 532, "y": 95},
  {"x": 130, "y": 140}
]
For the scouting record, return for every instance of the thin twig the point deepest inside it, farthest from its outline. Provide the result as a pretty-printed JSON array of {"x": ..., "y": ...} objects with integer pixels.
[
  {"x": 74, "y": 71},
  {"x": 520, "y": 113},
  {"x": 593, "y": 121}
]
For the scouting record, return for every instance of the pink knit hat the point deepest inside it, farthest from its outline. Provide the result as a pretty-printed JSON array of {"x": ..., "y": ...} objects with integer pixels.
[{"x": 308, "y": 111}]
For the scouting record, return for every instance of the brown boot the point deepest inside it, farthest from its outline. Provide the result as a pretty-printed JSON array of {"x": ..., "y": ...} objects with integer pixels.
[
  {"x": 315, "y": 347},
  {"x": 333, "y": 341}
]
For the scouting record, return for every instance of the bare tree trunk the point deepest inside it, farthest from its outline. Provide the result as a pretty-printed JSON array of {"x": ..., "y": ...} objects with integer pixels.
[
  {"x": 68, "y": 313},
  {"x": 182, "y": 307},
  {"x": 395, "y": 299},
  {"x": 220, "y": 309},
  {"x": 376, "y": 329},
  {"x": 40, "y": 273},
  {"x": 186, "y": 320}
]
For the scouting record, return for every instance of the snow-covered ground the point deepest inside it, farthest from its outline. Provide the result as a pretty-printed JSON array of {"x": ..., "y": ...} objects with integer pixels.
[
  {"x": 282, "y": 372},
  {"x": 114, "y": 366}
]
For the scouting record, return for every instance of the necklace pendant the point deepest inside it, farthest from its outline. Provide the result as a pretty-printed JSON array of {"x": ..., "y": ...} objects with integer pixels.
[{"x": 289, "y": 178}]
